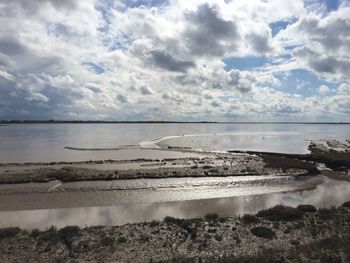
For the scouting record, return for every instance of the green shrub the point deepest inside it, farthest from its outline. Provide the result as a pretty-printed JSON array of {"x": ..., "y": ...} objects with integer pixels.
[
  {"x": 249, "y": 219},
  {"x": 154, "y": 223},
  {"x": 281, "y": 213},
  {"x": 49, "y": 235},
  {"x": 222, "y": 219},
  {"x": 35, "y": 233},
  {"x": 307, "y": 208},
  {"x": 69, "y": 231},
  {"x": 9, "y": 232},
  {"x": 326, "y": 213},
  {"x": 295, "y": 242},
  {"x": 211, "y": 217},
  {"x": 212, "y": 230},
  {"x": 186, "y": 224},
  {"x": 108, "y": 241},
  {"x": 121, "y": 239},
  {"x": 263, "y": 232},
  {"x": 218, "y": 237},
  {"x": 346, "y": 204}
]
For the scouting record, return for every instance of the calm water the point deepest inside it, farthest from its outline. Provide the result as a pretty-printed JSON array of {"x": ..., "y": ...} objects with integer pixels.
[
  {"x": 329, "y": 193},
  {"x": 46, "y": 142},
  {"x": 119, "y": 202}
]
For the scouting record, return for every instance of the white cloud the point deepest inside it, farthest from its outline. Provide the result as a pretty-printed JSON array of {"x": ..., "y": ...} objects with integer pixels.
[
  {"x": 344, "y": 88},
  {"x": 77, "y": 59},
  {"x": 323, "y": 90}
]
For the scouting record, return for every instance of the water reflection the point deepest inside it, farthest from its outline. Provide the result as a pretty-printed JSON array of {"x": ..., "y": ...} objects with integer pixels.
[
  {"x": 329, "y": 193},
  {"x": 46, "y": 142}
]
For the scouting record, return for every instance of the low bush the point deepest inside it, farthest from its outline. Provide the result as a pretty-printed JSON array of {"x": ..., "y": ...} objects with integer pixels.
[
  {"x": 326, "y": 213},
  {"x": 9, "y": 232},
  {"x": 211, "y": 217},
  {"x": 249, "y": 219},
  {"x": 295, "y": 242},
  {"x": 218, "y": 237},
  {"x": 281, "y": 213},
  {"x": 190, "y": 225},
  {"x": 35, "y": 233},
  {"x": 154, "y": 223},
  {"x": 69, "y": 231},
  {"x": 307, "y": 208},
  {"x": 108, "y": 241},
  {"x": 263, "y": 232},
  {"x": 121, "y": 239},
  {"x": 49, "y": 235},
  {"x": 346, "y": 204}
]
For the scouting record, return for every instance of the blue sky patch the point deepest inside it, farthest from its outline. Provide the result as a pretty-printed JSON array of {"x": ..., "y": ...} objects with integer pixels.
[
  {"x": 138, "y": 3},
  {"x": 332, "y": 5},
  {"x": 302, "y": 82},
  {"x": 278, "y": 26},
  {"x": 96, "y": 68},
  {"x": 244, "y": 63}
]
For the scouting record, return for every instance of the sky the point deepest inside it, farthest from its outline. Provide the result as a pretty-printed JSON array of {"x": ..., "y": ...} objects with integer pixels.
[{"x": 175, "y": 60}]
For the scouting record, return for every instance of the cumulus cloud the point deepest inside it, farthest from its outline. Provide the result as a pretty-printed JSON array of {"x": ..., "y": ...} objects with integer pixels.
[
  {"x": 344, "y": 88},
  {"x": 323, "y": 90},
  {"x": 168, "y": 62},
  {"x": 322, "y": 42},
  {"x": 77, "y": 59}
]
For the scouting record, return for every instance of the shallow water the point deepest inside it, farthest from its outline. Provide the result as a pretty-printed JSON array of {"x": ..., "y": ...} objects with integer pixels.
[
  {"x": 329, "y": 193},
  {"x": 93, "y": 193},
  {"x": 46, "y": 142}
]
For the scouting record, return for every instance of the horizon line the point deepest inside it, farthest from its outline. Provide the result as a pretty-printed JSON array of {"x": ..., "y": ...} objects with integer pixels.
[{"x": 162, "y": 121}]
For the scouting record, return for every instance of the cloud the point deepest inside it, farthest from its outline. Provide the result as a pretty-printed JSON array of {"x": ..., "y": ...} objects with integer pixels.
[
  {"x": 168, "y": 62},
  {"x": 242, "y": 81},
  {"x": 208, "y": 34},
  {"x": 344, "y": 88},
  {"x": 322, "y": 43},
  {"x": 146, "y": 90},
  {"x": 121, "y": 98},
  {"x": 323, "y": 90},
  {"x": 116, "y": 60}
]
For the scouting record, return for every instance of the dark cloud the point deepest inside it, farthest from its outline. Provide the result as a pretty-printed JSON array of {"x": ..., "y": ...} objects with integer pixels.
[
  {"x": 260, "y": 43},
  {"x": 322, "y": 63},
  {"x": 333, "y": 35},
  {"x": 121, "y": 98},
  {"x": 32, "y": 7},
  {"x": 168, "y": 62},
  {"x": 243, "y": 82},
  {"x": 208, "y": 34},
  {"x": 11, "y": 46}
]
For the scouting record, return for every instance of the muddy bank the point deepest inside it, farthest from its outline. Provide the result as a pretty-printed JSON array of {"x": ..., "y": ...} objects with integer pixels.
[
  {"x": 212, "y": 164},
  {"x": 334, "y": 154},
  {"x": 279, "y": 234}
]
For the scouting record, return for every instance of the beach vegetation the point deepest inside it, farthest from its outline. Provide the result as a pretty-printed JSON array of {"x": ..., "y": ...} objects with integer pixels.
[
  {"x": 307, "y": 208},
  {"x": 280, "y": 213},
  {"x": 249, "y": 219},
  {"x": 211, "y": 217},
  {"x": 122, "y": 239},
  {"x": 263, "y": 232},
  {"x": 9, "y": 232}
]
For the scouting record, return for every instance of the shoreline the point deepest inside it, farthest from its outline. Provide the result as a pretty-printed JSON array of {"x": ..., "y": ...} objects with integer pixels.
[
  {"x": 292, "y": 237},
  {"x": 278, "y": 234}
]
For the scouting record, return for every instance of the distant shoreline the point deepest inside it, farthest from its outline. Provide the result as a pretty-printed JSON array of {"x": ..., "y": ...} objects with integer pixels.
[{"x": 154, "y": 122}]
